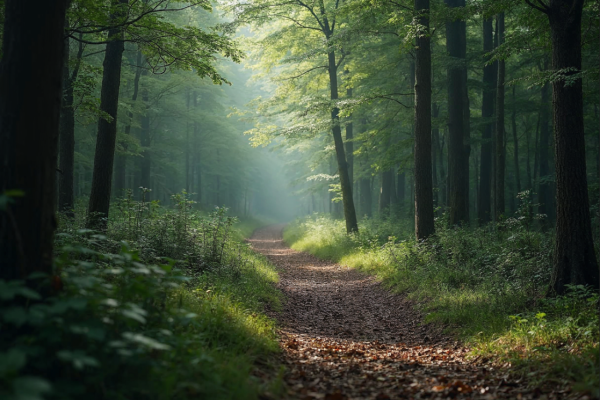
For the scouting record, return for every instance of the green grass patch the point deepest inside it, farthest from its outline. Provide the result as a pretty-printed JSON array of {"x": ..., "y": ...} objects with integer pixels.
[{"x": 487, "y": 284}]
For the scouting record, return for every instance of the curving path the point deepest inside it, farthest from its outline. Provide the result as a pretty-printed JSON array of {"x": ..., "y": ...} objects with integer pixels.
[{"x": 345, "y": 337}]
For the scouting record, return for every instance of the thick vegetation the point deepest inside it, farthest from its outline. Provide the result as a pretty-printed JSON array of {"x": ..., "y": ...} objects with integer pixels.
[{"x": 168, "y": 303}]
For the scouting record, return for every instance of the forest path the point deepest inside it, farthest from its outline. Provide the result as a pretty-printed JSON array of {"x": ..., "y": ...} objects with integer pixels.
[{"x": 344, "y": 336}]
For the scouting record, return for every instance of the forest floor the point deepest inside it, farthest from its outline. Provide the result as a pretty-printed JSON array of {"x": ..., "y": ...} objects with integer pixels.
[{"x": 344, "y": 336}]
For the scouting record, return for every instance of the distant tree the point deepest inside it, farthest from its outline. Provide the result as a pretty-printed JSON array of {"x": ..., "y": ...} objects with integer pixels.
[
  {"x": 424, "y": 226},
  {"x": 107, "y": 126},
  {"x": 66, "y": 149},
  {"x": 121, "y": 160},
  {"x": 500, "y": 153},
  {"x": 487, "y": 112},
  {"x": 31, "y": 73},
  {"x": 574, "y": 258},
  {"x": 458, "y": 160},
  {"x": 322, "y": 17}
]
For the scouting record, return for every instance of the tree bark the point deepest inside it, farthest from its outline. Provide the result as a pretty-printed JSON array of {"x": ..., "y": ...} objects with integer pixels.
[
  {"x": 424, "y": 226},
  {"x": 349, "y": 142},
  {"x": 346, "y": 184},
  {"x": 457, "y": 159},
  {"x": 31, "y": 73},
  {"x": 435, "y": 138},
  {"x": 499, "y": 201},
  {"x": 66, "y": 146},
  {"x": 121, "y": 159},
  {"x": 107, "y": 130},
  {"x": 384, "y": 192},
  {"x": 487, "y": 112},
  {"x": 146, "y": 159},
  {"x": 515, "y": 140},
  {"x": 574, "y": 258},
  {"x": 544, "y": 189}
]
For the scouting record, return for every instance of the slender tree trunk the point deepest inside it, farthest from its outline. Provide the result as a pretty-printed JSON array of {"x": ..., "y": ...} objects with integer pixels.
[
  {"x": 31, "y": 73},
  {"x": 187, "y": 144},
  {"x": 528, "y": 161},
  {"x": 443, "y": 176},
  {"x": 107, "y": 129},
  {"x": 499, "y": 201},
  {"x": 435, "y": 138},
  {"x": 66, "y": 146},
  {"x": 121, "y": 159},
  {"x": 384, "y": 192},
  {"x": 145, "y": 141},
  {"x": 365, "y": 195},
  {"x": 349, "y": 142},
  {"x": 346, "y": 183},
  {"x": 424, "y": 226},
  {"x": 515, "y": 140},
  {"x": 457, "y": 159},
  {"x": 544, "y": 188},
  {"x": 487, "y": 112},
  {"x": 574, "y": 258}
]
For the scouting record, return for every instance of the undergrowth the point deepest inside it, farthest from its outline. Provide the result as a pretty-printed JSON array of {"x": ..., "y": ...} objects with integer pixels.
[
  {"x": 167, "y": 303},
  {"x": 488, "y": 285}
]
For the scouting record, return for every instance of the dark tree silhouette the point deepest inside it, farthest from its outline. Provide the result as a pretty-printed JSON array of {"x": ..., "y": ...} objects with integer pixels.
[{"x": 31, "y": 73}]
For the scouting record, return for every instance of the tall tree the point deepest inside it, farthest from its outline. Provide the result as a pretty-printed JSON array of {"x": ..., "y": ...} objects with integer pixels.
[
  {"x": 574, "y": 258},
  {"x": 66, "y": 148},
  {"x": 121, "y": 159},
  {"x": 145, "y": 160},
  {"x": 322, "y": 18},
  {"x": 458, "y": 162},
  {"x": 500, "y": 154},
  {"x": 30, "y": 99},
  {"x": 424, "y": 226},
  {"x": 487, "y": 112},
  {"x": 107, "y": 127},
  {"x": 515, "y": 141},
  {"x": 543, "y": 149}
]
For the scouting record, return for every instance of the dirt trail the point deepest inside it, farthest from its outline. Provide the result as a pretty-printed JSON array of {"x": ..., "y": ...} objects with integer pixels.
[{"x": 345, "y": 337}]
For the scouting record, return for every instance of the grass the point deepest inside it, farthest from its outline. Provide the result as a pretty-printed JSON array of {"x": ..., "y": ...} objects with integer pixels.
[{"x": 487, "y": 285}]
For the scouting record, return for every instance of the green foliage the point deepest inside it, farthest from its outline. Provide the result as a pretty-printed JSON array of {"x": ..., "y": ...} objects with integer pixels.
[
  {"x": 129, "y": 321},
  {"x": 487, "y": 285}
]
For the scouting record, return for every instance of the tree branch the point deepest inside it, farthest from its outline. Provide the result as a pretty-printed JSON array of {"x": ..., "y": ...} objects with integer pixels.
[
  {"x": 305, "y": 72},
  {"x": 544, "y": 10}
]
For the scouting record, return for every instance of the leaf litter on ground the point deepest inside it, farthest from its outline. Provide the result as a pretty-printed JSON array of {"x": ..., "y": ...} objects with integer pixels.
[{"x": 346, "y": 337}]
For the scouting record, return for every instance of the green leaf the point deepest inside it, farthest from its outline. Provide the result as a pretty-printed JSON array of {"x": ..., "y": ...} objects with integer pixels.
[
  {"x": 30, "y": 388},
  {"x": 78, "y": 358},
  {"x": 12, "y": 361}
]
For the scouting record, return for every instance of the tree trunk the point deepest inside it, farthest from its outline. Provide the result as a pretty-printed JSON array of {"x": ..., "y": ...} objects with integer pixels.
[
  {"x": 66, "y": 145},
  {"x": 487, "y": 112},
  {"x": 121, "y": 159},
  {"x": 384, "y": 192},
  {"x": 349, "y": 142},
  {"x": 346, "y": 184},
  {"x": 146, "y": 159},
  {"x": 366, "y": 200},
  {"x": 516, "y": 141},
  {"x": 30, "y": 99},
  {"x": 499, "y": 206},
  {"x": 435, "y": 138},
  {"x": 574, "y": 258},
  {"x": 107, "y": 130},
  {"x": 544, "y": 189},
  {"x": 424, "y": 226},
  {"x": 457, "y": 159}
]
